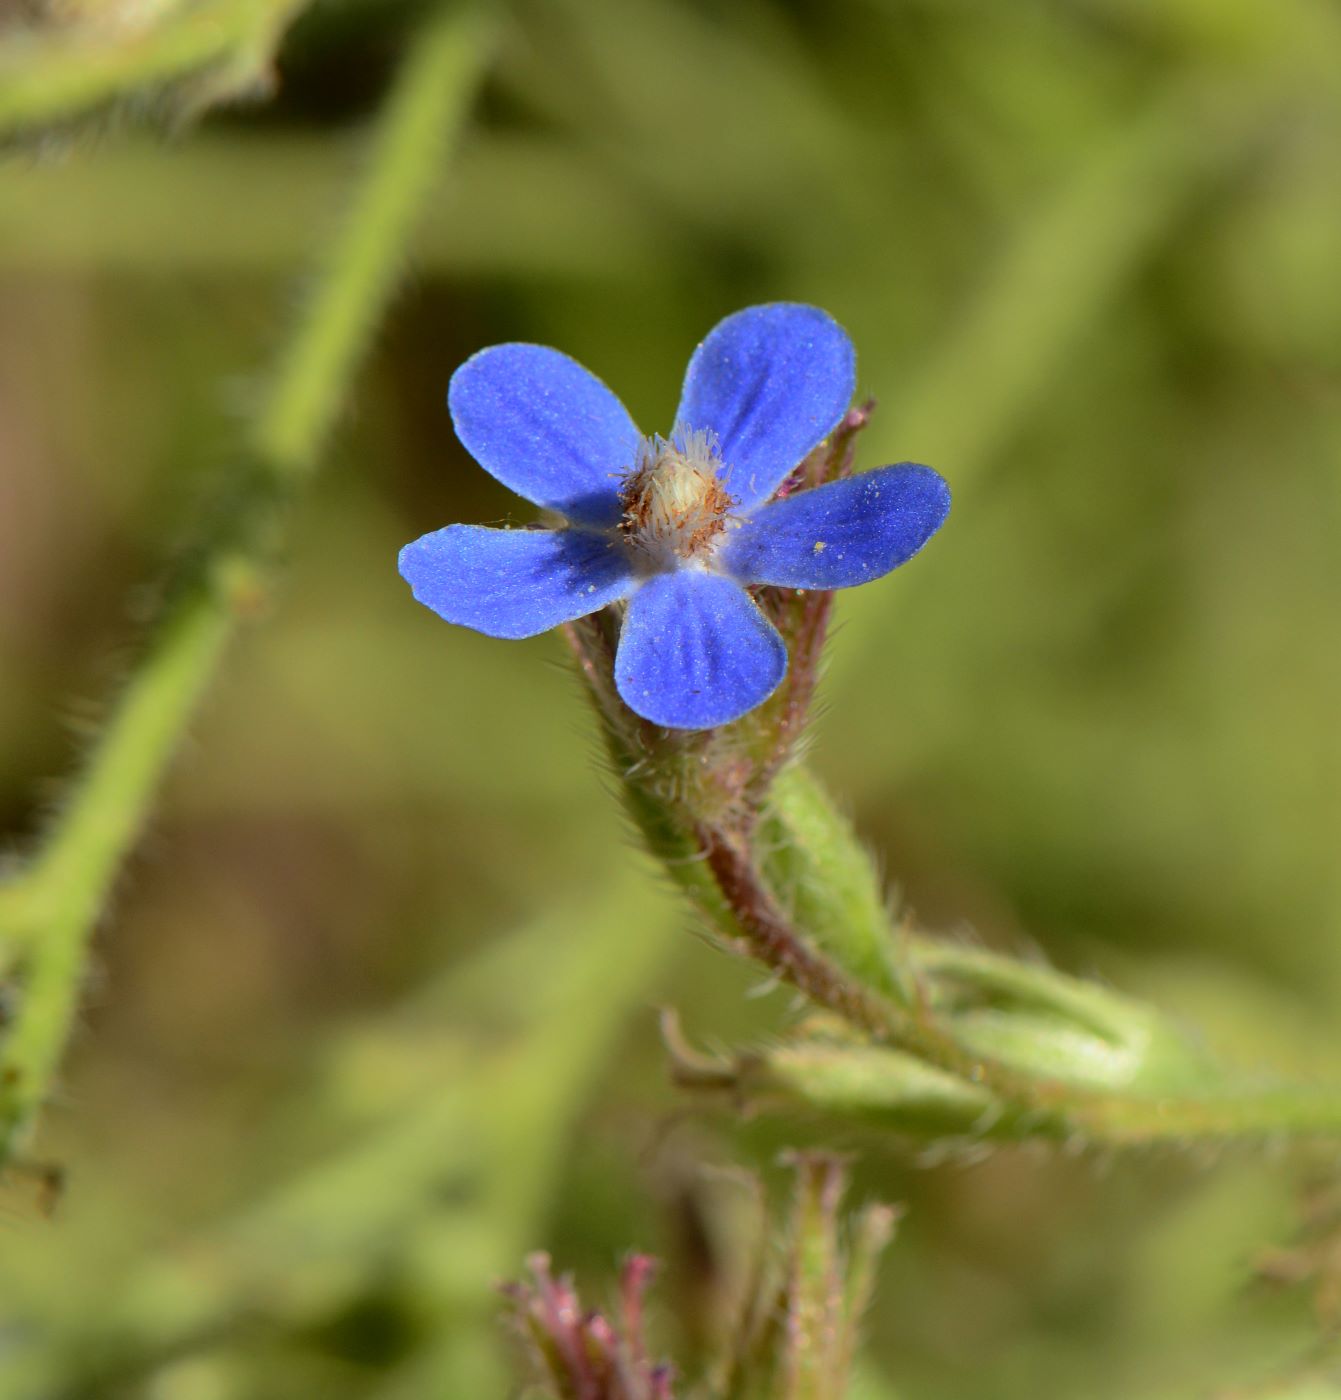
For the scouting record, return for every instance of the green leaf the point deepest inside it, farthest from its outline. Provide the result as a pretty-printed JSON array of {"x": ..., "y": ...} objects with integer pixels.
[{"x": 829, "y": 884}]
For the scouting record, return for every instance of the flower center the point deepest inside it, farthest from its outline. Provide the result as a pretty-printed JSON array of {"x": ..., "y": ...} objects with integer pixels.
[{"x": 675, "y": 506}]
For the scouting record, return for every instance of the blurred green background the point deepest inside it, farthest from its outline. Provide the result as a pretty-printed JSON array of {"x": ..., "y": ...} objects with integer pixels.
[{"x": 373, "y": 1013}]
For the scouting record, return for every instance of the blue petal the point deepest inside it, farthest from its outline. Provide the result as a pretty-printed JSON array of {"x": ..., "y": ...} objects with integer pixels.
[
  {"x": 695, "y": 651},
  {"x": 546, "y": 428},
  {"x": 514, "y": 583},
  {"x": 842, "y": 533},
  {"x": 772, "y": 382}
]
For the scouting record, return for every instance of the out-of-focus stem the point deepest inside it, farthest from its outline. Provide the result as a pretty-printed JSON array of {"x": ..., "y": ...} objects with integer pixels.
[
  {"x": 534, "y": 1015},
  {"x": 56, "y": 78},
  {"x": 357, "y": 277},
  {"x": 56, "y": 904}
]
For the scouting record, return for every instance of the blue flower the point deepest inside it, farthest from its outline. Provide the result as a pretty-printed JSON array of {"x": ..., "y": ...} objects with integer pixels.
[{"x": 674, "y": 528}]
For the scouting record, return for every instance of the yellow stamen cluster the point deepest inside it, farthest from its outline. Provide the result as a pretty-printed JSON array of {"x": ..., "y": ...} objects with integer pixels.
[{"x": 675, "y": 505}]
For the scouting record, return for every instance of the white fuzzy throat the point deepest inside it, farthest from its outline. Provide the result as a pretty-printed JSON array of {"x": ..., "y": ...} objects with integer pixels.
[{"x": 676, "y": 506}]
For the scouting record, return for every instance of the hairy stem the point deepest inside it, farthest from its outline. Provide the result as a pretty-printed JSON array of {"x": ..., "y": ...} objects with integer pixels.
[
  {"x": 1028, "y": 1086},
  {"x": 776, "y": 943},
  {"x": 57, "y": 903},
  {"x": 358, "y": 276}
]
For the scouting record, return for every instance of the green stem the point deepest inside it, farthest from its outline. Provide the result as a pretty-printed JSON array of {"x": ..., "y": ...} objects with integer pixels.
[
  {"x": 1071, "y": 254},
  {"x": 69, "y": 886},
  {"x": 1221, "y": 1114},
  {"x": 365, "y": 262},
  {"x": 534, "y": 1016},
  {"x": 897, "y": 1091},
  {"x": 56, "y": 906},
  {"x": 1058, "y": 274},
  {"x": 983, "y": 1045},
  {"x": 55, "y": 79}
]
